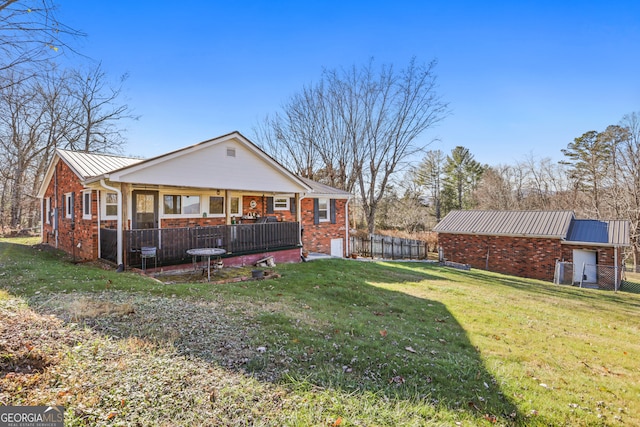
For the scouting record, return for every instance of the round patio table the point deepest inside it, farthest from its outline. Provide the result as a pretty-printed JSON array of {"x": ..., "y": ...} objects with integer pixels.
[{"x": 206, "y": 252}]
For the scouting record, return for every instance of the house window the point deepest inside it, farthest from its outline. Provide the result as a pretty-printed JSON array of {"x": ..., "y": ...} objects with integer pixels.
[
  {"x": 235, "y": 206},
  {"x": 47, "y": 210},
  {"x": 68, "y": 204},
  {"x": 216, "y": 205},
  {"x": 323, "y": 210},
  {"x": 86, "y": 204},
  {"x": 172, "y": 205},
  {"x": 111, "y": 204},
  {"x": 191, "y": 205},
  {"x": 281, "y": 203},
  {"x": 180, "y": 204}
]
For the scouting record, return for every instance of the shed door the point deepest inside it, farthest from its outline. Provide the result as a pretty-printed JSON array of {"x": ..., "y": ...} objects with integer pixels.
[
  {"x": 337, "y": 248},
  {"x": 584, "y": 260}
]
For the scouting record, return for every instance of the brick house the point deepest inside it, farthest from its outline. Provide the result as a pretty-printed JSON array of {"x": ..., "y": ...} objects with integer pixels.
[
  {"x": 224, "y": 192},
  {"x": 531, "y": 243}
]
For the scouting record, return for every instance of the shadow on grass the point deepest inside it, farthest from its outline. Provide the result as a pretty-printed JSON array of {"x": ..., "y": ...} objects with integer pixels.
[{"x": 324, "y": 324}]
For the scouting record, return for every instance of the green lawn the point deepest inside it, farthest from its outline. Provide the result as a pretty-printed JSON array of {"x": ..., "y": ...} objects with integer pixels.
[{"x": 330, "y": 342}]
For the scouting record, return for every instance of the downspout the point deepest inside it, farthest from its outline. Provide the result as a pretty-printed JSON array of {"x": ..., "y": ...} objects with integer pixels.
[
  {"x": 56, "y": 211},
  {"x": 99, "y": 214},
  {"x": 119, "y": 231}
]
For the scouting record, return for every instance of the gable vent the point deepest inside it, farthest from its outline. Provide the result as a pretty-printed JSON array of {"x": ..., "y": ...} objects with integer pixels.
[{"x": 231, "y": 152}]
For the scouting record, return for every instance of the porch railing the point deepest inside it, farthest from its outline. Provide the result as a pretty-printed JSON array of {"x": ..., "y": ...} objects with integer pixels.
[{"x": 172, "y": 243}]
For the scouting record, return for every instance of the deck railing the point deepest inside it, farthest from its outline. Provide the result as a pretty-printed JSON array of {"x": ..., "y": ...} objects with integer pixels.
[{"x": 172, "y": 243}]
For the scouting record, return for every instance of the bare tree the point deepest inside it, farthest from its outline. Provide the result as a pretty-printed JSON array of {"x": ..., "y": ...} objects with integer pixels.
[
  {"x": 614, "y": 136},
  {"x": 96, "y": 114},
  {"x": 21, "y": 128},
  {"x": 44, "y": 113},
  {"x": 357, "y": 127},
  {"x": 629, "y": 164},
  {"x": 430, "y": 175},
  {"x": 30, "y": 34},
  {"x": 496, "y": 190}
]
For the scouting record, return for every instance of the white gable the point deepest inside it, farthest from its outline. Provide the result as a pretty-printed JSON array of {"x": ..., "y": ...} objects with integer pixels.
[{"x": 229, "y": 162}]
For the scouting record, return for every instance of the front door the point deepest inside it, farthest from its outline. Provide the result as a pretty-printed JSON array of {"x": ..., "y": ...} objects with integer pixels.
[{"x": 145, "y": 209}]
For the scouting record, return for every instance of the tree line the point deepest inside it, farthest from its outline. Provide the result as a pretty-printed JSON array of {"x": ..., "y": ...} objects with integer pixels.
[
  {"x": 598, "y": 177},
  {"x": 44, "y": 106}
]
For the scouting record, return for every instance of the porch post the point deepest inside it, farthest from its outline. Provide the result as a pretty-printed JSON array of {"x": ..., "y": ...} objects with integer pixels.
[
  {"x": 347, "y": 235},
  {"x": 615, "y": 257},
  {"x": 119, "y": 230},
  {"x": 227, "y": 208}
]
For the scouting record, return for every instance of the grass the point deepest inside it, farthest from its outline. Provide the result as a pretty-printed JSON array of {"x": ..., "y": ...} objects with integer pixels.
[{"x": 331, "y": 342}]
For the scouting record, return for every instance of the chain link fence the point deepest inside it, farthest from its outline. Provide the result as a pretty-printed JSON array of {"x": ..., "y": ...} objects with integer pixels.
[{"x": 594, "y": 276}]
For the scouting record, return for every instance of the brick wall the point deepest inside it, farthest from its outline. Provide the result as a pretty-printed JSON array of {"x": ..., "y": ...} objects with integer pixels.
[
  {"x": 517, "y": 256},
  {"x": 77, "y": 236},
  {"x": 317, "y": 238},
  {"x": 80, "y": 237}
]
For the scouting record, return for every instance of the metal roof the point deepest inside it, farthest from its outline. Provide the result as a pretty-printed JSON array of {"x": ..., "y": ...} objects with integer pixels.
[
  {"x": 323, "y": 189},
  {"x": 87, "y": 165},
  {"x": 553, "y": 224},
  {"x": 611, "y": 232}
]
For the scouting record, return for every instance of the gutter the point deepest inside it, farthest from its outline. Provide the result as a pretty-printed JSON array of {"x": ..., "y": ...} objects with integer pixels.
[{"x": 119, "y": 231}]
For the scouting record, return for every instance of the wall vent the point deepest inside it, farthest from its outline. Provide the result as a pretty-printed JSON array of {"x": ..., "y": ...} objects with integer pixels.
[{"x": 231, "y": 152}]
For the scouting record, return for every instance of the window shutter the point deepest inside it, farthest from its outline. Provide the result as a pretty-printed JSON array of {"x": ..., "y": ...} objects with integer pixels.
[
  {"x": 269, "y": 205},
  {"x": 316, "y": 208},
  {"x": 63, "y": 210},
  {"x": 292, "y": 205},
  {"x": 73, "y": 206},
  {"x": 332, "y": 213}
]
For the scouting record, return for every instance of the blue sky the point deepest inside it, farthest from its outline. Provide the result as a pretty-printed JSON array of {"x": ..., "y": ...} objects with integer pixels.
[{"x": 521, "y": 77}]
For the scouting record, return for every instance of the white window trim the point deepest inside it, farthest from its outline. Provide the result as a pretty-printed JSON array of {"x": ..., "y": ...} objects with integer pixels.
[
  {"x": 47, "y": 209},
  {"x": 68, "y": 206},
  {"x": 328, "y": 218},
  {"x": 286, "y": 206},
  {"x": 181, "y": 215},
  {"x": 224, "y": 205},
  {"x": 239, "y": 213},
  {"x": 86, "y": 215},
  {"x": 103, "y": 203}
]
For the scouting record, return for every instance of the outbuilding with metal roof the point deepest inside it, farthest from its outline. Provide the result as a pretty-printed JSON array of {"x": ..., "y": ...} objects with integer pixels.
[{"x": 532, "y": 243}]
